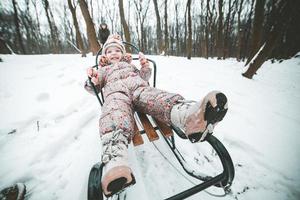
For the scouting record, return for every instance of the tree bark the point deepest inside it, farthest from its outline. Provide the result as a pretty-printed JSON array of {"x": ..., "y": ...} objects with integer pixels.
[
  {"x": 219, "y": 44},
  {"x": 79, "y": 40},
  {"x": 177, "y": 30},
  {"x": 124, "y": 24},
  {"x": 3, "y": 47},
  {"x": 90, "y": 29},
  {"x": 189, "y": 40},
  {"x": 158, "y": 28},
  {"x": 227, "y": 30},
  {"x": 17, "y": 24},
  {"x": 240, "y": 32},
  {"x": 166, "y": 29},
  {"x": 257, "y": 28},
  {"x": 141, "y": 12},
  {"x": 55, "y": 43},
  {"x": 207, "y": 30}
]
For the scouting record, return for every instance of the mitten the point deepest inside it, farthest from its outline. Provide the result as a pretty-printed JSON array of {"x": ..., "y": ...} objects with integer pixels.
[
  {"x": 127, "y": 58},
  {"x": 143, "y": 61},
  {"x": 93, "y": 74},
  {"x": 103, "y": 61}
]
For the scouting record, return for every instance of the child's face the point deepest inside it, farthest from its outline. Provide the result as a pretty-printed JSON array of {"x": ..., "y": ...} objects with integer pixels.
[{"x": 114, "y": 54}]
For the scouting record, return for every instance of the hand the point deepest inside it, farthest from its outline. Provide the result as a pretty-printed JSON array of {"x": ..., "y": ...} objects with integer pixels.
[
  {"x": 93, "y": 74},
  {"x": 127, "y": 58},
  {"x": 144, "y": 62},
  {"x": 103, "y": 61}
]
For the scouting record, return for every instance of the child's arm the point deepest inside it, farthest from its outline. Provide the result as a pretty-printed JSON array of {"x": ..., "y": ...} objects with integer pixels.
[
  {"x": 145, "y": 71},
  {"x": 96, "y": 79}
]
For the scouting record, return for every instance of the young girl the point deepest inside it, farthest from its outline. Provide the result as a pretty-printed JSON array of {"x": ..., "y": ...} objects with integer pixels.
[{"x": 125, "y": 90}]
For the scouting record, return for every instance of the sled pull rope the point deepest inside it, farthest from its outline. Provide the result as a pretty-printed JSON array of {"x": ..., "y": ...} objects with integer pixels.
[{"x": 226, "y": 191}]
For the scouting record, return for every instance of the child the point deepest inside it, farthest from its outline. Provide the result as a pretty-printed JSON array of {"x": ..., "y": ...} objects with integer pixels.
[{"x": 126, "y": 89}]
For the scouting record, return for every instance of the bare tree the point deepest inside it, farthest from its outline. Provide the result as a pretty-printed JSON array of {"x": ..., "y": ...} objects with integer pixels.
[
  {"x": 203, "y": 28},
  {"x": 55, "y": 43},
  {"x": 111, "y": 14},
  {"x": 177, "y": 29},
  {"x": 4, "y": 49},
  {"x": 141, "y": 12},
  {"x": 32, "y": 40},
  {"x": 189, "y": 40},
  {"x": 158, "y": 28},
  {"x": 17, "y": 24},
  {"x": 90, "y": 29},
  {"x": 247, "y": 32},
  {"x": 240, "y": 31},
  {"x": 166, "y": 33},
  {"x": 219, "y": 43},
  {"x": 78, "y": 34},
  {"x": 207, "y": 29},
  {"x": 228, "y": 29},
  {"x": 124, "y": 23},
  {"x": 257, "y": 28}
]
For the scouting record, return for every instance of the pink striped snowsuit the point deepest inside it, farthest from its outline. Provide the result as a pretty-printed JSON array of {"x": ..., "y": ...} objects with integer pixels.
[{"x": 126, "y": 89}]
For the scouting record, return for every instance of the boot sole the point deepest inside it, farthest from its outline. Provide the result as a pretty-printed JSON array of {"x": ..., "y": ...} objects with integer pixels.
[
  {"x": 118, "y": 185},
  {"x": 212, "y": 115}
]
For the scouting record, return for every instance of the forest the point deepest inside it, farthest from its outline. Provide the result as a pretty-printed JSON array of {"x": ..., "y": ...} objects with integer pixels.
[{"x": 242, "y": 29}]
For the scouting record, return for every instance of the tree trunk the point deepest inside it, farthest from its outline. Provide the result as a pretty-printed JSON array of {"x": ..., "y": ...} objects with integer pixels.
[
  {"x": 166, "y": 29},
  {"x": 158, "y": 28},
  {"x": 90, "y": 29},
  {"x": 38, "y": 32},
  {"x": 185, "y": 36},
  {"x": 3, "y": 47},
  {"x": 16, "y": 20},
  {"x": 124, "y": 23},
  {"x": 226, "y": 30},
  {"x": 207, "y": 30},
  {"x": 219, "y": 42},
  {"x": 247, "y": 32},
  {"x": 189, "y": 40},
  {"x": 55, "y": 43},
  {"x": 257, "y": 29},
  {"x": 283, "y": 16},
  {"x": 177, "y": 30},
  {"x": 141, "y": 13},
  {"x": 240, "y": 32},
  {"x": 79, "y": 41}
]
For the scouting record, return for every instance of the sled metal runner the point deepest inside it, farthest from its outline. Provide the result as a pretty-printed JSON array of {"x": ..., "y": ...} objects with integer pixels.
[{"x": 223, "y": 180}]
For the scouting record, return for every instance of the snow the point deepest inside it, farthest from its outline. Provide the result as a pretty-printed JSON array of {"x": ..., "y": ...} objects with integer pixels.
[{"x": 49, "y": 128}]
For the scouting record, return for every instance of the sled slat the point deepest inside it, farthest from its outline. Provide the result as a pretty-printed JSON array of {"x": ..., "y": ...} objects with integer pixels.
[
  {"x": 151, "y": 133},
  {"x": 166, "y": 130},
  {"x": 137, "y": 137}
]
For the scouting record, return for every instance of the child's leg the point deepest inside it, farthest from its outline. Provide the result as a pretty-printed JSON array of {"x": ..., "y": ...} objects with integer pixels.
[
  {"x": 116, "y": 128},
  {"x": 155, "y": 102},
  {"x": 196, "y": 119}
]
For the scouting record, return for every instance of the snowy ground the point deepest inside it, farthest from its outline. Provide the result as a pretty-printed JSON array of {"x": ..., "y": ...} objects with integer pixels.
[{"x": 49, "y": 128}]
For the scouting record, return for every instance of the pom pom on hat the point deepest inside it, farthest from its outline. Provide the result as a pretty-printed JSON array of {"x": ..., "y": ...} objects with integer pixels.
[{"x": 113, "y": 40}]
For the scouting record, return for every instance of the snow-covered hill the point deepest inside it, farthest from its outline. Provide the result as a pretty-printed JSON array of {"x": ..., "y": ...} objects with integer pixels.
[{"x": 49, "y": 128}]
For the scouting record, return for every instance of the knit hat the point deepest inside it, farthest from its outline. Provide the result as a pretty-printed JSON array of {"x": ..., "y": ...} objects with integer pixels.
[{"x": 113, "y": 40}]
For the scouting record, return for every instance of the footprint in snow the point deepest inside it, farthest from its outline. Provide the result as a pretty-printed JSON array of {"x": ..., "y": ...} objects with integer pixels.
[
  {"x": 5, "y": 95},
  {"x": 29, "y": 77},
  {"x": 68, "y": 83},
  {"x": 60, "y": 75},
  {"x": 43, "y": 97}
]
